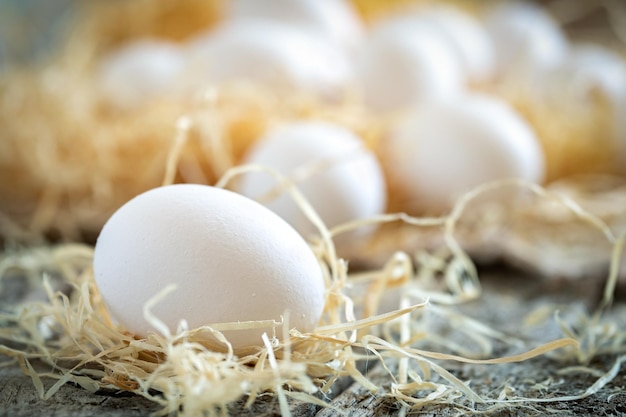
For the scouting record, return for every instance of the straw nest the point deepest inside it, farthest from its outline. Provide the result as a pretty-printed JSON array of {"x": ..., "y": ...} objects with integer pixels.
[
  {"x": 68, "y": 160},
  {"x": 391, "y": 314}
]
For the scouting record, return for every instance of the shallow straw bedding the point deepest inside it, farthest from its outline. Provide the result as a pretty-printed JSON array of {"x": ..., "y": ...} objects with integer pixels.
[
  {"x": 72, "y": 333},
  {"x": 417, "y": 270}
]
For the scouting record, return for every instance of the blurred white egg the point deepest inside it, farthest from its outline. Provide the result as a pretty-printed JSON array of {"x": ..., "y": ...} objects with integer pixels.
[
  {"x": 139, "y": 71},
  {"x": 330, "y": 165},
  {"x": 336, "y": 19},
  {"x": 447, "y": 148},
  {"x": 466, "y": 36},
  {"x": 278, "y": 56},
  {"x": 592, "y": 74},
  {"x": 405, "y": 62},
  {"x": 230, "y": 258},
  {"x": 525, "y": 37},
  {"x": 594, "y": 67}
]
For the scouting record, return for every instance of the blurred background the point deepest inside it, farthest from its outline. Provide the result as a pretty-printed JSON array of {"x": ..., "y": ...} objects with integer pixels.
[
  {"x": 29, "y": 27},
  {"x": 62, "y": 148}
]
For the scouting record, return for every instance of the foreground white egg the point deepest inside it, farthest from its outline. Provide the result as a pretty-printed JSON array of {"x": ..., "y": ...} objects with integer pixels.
[
  {"x": 139, "y": 71},
  {"x": 525, "y": 37},
  {"x": 231, "y": 259},
  {"x": 406, "y": 62},
  {"x": 445, "y": 149},
  {"x": 279, "y": 56},
  {"x": 337, "y": 19},
  {"x": 345, "y": 182}
]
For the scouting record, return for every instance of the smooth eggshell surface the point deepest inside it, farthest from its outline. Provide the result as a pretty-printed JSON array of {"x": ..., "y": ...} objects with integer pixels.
[
  {"x": 406, "y": 62},
  {"x": 139, "y": 71},
  {"x": 467, "y": 37},
  {"x": 337, "y": 19},
  {"x": 445, "y": 149},
  {"x": 276, "y": 55},
  {"x": 231, "y": 259},
  {"x": 345, "y": 182},
  {"x": 591, "y": 68},
  {"x": 526, "y": 38}
]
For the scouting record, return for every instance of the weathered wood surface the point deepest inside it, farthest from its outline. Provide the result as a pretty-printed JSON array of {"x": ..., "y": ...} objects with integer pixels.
[{"x": 508, "y": 297}]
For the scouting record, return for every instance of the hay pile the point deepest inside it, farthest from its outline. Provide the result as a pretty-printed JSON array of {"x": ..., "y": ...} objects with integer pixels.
[{"x": 388, "y": 315}]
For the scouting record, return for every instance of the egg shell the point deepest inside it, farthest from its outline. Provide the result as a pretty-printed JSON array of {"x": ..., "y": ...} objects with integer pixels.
[
  {"x": 447, "y": 148},
  {"x": 466, "y": 36},
  {"x": 576, "y": 108},
  {"x": 139, "y": 71},
  {"x": 336, "y": 19},
  {"x": 526, "y": 39},
  {"x": 405, "y": 62},
  {"x": 231, "y": 259},
  {"x": 347, "y": 185},
  {"x": 278, "y": 56},
  {"x": 594, "y": 67}
]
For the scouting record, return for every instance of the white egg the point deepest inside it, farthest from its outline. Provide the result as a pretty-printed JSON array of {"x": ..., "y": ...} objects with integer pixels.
[
  {"x": 525, "y": 37},
  {"x": 140, "y": 71},
  {"x": 466, "y": 36},
  {"x": 405, "y": 62},
  {"x": 593, "y": 67},
  {"x": 447, "y": 148},
  {"x": 231, "y": 259},
  {"x": 590, "y": 72},
  {"x": 276, "y": 55},
  {"x": 345, "y": 183},
  {"x": 337, "y": 19}
]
